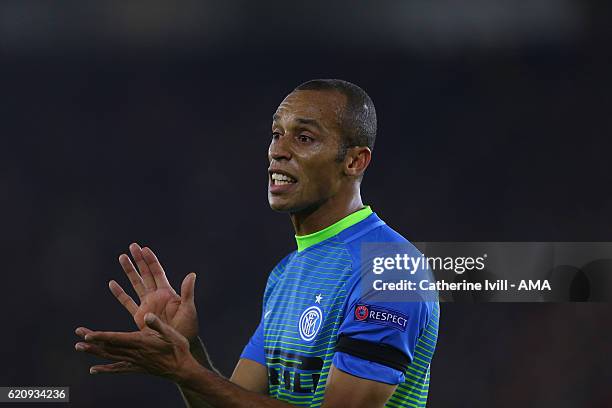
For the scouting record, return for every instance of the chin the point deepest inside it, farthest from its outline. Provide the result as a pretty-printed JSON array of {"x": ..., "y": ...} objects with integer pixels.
[
  {"x": 280, "y": 205},
  {"x": 290, "y": 207},
  {"x": 284, "y": 204}
]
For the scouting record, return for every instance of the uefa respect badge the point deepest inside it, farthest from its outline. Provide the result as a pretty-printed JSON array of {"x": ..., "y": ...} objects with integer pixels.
[{"x": 381, "y": 315}]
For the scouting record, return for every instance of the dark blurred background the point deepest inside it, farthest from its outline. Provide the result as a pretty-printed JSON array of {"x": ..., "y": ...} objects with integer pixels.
[{"x": 128, "y": 121}]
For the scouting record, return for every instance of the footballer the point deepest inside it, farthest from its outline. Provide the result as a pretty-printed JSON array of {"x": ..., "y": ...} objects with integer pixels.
[{"x": 323, "y": 340}]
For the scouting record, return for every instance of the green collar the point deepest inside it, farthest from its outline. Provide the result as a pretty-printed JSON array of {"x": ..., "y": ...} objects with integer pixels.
[{"x": 305, "y": 241}]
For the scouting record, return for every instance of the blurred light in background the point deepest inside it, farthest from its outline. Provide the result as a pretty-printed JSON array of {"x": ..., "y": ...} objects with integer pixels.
[{"x": 430, "y": 27}]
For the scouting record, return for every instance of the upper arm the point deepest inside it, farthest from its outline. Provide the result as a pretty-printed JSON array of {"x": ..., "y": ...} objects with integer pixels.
[
  {"x": 376, "y": 345},
  {"x": 347, "y": 391},
  {"x": 251, "y": 371},
  {"x": 251, "y": 376}
]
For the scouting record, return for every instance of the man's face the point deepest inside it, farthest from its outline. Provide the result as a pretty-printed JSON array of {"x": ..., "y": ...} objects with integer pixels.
[{"x": 303, "y": 170}]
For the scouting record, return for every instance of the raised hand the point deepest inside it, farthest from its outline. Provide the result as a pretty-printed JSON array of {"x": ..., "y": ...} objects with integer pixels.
[
  {"x": 156, "y": 349},
  {"x": 155, "y": 293}
]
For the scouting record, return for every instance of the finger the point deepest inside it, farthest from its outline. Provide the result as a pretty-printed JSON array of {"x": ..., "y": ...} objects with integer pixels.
[
  {"x": 120, "y": 367},
  {"x": 188, "y": 288},
  {"x": 111, "y": 353},
  {"x": 82, "y": 331},
  {"x": 115, "y": 339},
  {"x": 132, "y": 274},
  {"x": 123, "y": 297},
  {"x": 145, "y": 273},
  {"x": 156, "y": 269},
  {"x": 162, "y": 328}
]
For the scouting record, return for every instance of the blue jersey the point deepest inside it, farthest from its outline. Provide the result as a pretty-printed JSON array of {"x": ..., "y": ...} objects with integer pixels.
[{"x": 316, "y": 313}]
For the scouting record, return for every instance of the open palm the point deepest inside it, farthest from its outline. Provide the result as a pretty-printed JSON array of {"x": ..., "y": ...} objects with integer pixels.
[{"x": 155, "y": 293}]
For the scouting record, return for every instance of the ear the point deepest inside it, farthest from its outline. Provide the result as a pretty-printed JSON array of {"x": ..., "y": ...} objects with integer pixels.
[{"x": 357, "y": 160}]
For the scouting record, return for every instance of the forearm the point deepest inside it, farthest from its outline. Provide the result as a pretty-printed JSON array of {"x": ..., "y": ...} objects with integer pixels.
[
  {"x": 193, "y": 399},
  {"x": 219, "y": 392}
]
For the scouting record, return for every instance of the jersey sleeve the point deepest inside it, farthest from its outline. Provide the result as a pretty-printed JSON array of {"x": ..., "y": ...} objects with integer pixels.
[
  {"x": 376, "y": 339},
  {"x": 254, "y": 350}
]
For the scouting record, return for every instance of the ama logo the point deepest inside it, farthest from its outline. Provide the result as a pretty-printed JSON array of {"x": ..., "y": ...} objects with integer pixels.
[{"x": 310, "y": 323}]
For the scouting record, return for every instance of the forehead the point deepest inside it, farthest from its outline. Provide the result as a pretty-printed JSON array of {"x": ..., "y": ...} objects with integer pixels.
[{"x": 324, "y": 106}]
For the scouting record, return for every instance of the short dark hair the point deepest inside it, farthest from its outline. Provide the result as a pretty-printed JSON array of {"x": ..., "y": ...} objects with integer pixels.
[{"x": 358, "y": 121}]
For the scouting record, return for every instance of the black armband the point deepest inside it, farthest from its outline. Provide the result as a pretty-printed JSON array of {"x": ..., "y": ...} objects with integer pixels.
[{"x": 376, "y": 352}]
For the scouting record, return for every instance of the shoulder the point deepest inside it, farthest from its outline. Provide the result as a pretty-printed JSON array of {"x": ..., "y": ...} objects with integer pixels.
[
  {"x": 375, "y": 231},
  {"x": 369, "y": 247},
  {"x": 278, "y": 270}
]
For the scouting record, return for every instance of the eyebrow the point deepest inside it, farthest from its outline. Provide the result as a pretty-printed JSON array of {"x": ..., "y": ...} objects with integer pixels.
[{"x": 303, "y": 121}]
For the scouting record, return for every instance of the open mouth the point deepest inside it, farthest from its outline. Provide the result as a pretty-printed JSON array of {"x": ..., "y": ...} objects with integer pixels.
[{"x": 279, "y": 179}]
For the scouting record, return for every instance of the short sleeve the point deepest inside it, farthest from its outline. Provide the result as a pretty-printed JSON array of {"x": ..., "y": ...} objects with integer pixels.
[
  {"x": 376, "y": 340},
  {"x": 254, "y": 350}
]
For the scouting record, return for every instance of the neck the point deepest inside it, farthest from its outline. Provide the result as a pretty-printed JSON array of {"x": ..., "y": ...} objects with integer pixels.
[{"x": 318, "y": 217}]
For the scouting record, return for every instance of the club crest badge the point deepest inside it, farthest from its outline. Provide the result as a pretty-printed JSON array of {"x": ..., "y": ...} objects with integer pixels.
[{"x": 310, "y": 323}]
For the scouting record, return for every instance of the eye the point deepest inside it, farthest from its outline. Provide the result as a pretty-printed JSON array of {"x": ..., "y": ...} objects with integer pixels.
[
  {"x": 275, "y": 135},
  {"x": 305, "y": 139}
]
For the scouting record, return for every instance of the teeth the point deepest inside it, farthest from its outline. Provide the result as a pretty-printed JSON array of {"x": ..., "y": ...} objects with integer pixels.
[{"x": 281, "y": 179}]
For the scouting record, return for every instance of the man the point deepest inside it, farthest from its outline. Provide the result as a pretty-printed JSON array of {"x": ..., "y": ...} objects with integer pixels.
[{"x": 324, "y": 339}]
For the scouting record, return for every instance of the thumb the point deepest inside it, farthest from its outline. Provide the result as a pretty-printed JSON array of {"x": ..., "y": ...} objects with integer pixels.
[
  {"x": 188, "y": 288},
  {"x": 119, "y": 367},
  {"x": 156, "y": 324}
]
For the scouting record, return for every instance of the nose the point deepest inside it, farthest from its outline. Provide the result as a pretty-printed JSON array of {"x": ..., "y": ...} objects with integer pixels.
[{"x": 278, "y": 149}]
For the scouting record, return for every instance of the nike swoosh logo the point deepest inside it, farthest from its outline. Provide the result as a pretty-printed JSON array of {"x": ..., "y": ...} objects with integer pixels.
[{"x": 267, "y": 314}]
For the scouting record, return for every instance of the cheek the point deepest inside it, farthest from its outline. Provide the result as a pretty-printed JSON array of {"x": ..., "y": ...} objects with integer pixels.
[
  {"x": 323, "y": 180},
  {"x": 320, "y": 173}
]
